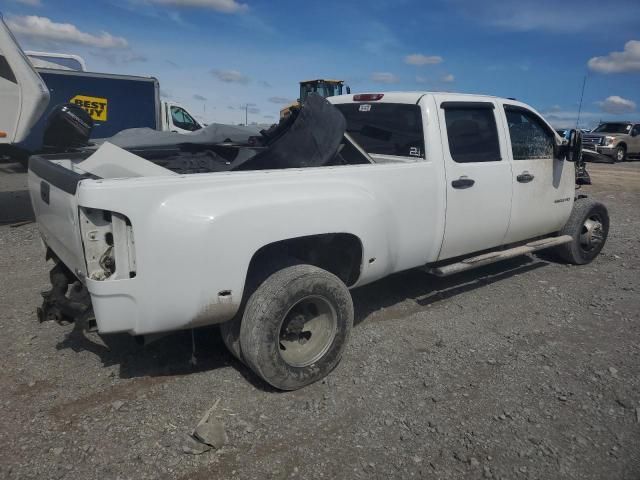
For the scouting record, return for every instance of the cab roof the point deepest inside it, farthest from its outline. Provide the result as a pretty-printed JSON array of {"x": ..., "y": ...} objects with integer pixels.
[{"x": 412, "y": 96}]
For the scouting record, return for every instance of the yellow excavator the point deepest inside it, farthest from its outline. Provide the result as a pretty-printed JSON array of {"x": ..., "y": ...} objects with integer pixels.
[{"x": 323, "y": 87}]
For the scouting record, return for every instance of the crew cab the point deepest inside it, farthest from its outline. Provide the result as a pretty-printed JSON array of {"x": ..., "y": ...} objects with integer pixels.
[{"x": 267, "y": 237}]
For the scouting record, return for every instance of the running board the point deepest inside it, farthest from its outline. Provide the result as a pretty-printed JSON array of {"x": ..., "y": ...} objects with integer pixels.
[{"x": 492, "y": 257}]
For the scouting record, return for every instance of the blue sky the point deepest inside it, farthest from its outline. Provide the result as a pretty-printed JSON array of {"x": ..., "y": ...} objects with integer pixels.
[{"x": 215, "y": 56}]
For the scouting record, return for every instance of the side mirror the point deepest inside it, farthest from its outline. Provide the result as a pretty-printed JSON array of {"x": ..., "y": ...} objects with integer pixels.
[{"x": 574, "y": 146}]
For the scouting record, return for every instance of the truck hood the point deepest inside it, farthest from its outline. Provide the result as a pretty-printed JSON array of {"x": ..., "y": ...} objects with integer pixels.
[{"x": 603, "y": 134}]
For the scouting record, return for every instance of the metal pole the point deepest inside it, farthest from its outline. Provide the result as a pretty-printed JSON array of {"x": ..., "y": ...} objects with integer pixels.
[{"x": 584, "y": 81}]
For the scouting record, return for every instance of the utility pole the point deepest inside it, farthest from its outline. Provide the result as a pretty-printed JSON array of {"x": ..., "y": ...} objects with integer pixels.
[{"x": 246, "y": 114}]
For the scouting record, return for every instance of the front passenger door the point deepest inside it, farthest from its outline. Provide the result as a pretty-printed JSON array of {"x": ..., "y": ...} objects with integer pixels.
[{"x": 543, "y": 186}]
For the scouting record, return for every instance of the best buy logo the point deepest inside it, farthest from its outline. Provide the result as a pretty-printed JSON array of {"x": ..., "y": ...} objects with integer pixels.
[{"x": 95, "y": 106}]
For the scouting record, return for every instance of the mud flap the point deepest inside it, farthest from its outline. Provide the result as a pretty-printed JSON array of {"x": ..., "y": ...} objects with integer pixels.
[
  {"x": 582, "y": 176},
  {"x": 67, "y": 301}
]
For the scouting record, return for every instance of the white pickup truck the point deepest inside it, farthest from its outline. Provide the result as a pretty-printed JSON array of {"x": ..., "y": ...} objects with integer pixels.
[{"x": 267, "y": 238}]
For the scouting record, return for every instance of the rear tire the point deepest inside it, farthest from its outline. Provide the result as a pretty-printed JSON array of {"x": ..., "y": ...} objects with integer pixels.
[
  {"x": 295, "y": 326},
  {"x": 230, "y": 333},
  {"x": 588, "y": 225}
]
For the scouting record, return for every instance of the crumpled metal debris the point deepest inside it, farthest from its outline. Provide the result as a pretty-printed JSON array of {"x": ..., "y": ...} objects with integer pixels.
[{"x": 209, "y": 433}]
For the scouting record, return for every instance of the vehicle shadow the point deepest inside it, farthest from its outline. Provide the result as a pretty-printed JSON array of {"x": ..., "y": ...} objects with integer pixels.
[
  {"x": 425, "y": 289},
  {"x": 15, "y": 204},
  {"x": 15, "y": 207},
  {"x": 171, "y": 355},
  {"x": 176, "y": 354}
]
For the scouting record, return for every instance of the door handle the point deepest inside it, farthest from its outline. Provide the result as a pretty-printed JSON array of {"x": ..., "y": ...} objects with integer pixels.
[
  {"x": 525, "y": 177},
  {"x": 463, "y": 182}
]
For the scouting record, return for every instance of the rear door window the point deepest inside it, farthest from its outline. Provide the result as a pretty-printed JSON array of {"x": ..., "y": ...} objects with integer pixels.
[
  {"x": 385, "y": 128},
  {"x": 472, "y": 132}
]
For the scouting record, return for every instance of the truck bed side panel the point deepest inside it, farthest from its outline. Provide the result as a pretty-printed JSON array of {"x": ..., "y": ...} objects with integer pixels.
[{"x": 195, "y": 235}]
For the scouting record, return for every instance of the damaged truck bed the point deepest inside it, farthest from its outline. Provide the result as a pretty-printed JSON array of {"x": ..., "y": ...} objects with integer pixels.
[{"x": 153, "y": 165}]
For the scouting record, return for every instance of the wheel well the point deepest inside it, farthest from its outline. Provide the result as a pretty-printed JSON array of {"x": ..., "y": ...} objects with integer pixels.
[
  {"x": 338, "y": 253},
  {"x": 622, "y": 144}
]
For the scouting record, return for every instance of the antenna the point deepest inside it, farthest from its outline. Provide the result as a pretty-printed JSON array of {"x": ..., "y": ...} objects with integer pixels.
[{"x": 584, "y": 82}]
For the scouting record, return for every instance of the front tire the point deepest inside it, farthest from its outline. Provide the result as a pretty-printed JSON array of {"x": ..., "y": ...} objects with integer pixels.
[
  {"x": 620, "y": 154},
  {"x": 295, "y": 326},
  {"x": 588, "y": 225}
]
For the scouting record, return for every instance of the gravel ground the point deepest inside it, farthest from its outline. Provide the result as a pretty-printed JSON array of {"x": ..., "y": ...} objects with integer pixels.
[{"x": 525, "y": 369}]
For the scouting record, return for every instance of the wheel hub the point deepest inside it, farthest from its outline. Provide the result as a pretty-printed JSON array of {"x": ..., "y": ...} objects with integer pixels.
[
  {"x": 307, "y": 331},
  {"x": 592, "y": 234}
]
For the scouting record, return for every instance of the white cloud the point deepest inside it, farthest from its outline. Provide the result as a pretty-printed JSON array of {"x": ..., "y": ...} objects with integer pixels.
[
  {"x": 384, "y": 77},
  {"x": 199, "y": 97},
  {"x": 546, "y": 15},
  {"x": 280, "y": 100},
  {"x": 419, "y": 59},
  {"x": 420, "y": 79},
  {"x": 224, "y": 6},
  {"x": 43, "y": 29},
  {"x": 449, "y": 78},
  {"x": 618, "y": 62},
  {"x": 617, "y": 105},
  {"x": 230, "y": 76}
]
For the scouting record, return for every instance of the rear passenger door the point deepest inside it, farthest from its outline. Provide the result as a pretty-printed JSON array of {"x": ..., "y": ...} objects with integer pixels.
[
  {"x": 543, "y": 187},
  {"x": 478, "y": 178}
]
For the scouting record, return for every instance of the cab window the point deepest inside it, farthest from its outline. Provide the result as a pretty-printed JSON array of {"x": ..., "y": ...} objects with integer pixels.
[
  {"x": 385, "y": 128},
  {"x": 183, "y": 120},
  {"x": 530, "y": 138}
]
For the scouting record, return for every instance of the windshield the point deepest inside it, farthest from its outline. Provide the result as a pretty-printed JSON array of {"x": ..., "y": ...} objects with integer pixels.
[
  {"x": 385, "y": 128},
  {"x": 613, "y": 128},
  {"x": 321, "y": 88}
]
